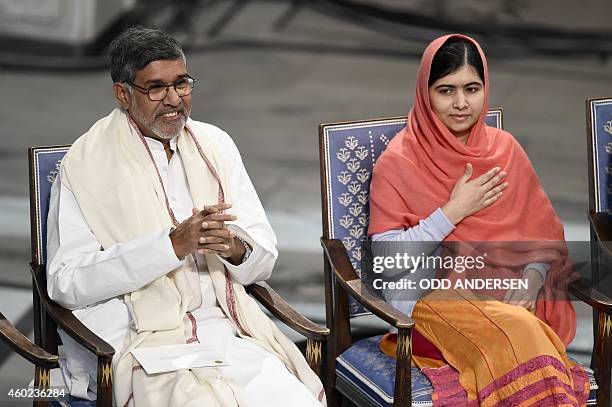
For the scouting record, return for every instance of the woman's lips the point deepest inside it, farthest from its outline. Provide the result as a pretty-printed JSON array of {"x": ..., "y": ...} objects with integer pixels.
[{"x": 460, "y": 117}]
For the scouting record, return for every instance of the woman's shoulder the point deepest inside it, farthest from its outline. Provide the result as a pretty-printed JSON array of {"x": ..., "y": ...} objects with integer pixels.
[
  {"x": 501, "y": 133},
  {"x": 393, "y": 157},
  {"x": 502, "y": 137}
]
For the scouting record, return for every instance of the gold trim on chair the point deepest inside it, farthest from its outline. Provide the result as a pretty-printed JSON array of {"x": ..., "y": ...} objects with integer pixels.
[
  {"x": 605, "y": 325},
  {"x": 404, "y": 345},
  {"x": 43, "y": 377},
  {"x": 313, "y": 351},
  {"x": 105, "y": 370}
]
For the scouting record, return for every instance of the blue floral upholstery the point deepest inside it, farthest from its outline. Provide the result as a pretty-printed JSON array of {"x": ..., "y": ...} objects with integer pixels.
[
  {"x": 45, "y": 168},
  {"x": 350, "y": 151},
  {"x": 600, "y": 130},
  {"x": 72, "y": 402},
  {"x": 46, "y": 165},
  {"x": 363, "y": 369}
]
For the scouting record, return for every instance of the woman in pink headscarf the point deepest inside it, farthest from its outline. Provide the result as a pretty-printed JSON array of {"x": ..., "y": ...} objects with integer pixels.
[{"x": 448, "y": 177}]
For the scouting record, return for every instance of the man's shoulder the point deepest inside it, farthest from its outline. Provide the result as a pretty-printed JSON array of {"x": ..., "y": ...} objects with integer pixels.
[{"x": 88, "y": 140}]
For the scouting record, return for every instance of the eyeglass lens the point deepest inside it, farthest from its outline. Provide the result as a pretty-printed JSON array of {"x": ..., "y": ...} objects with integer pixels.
[{"x": 182, "y": 87}]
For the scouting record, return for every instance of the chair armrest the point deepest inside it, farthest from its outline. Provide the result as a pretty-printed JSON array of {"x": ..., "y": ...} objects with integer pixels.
[
  {"x": 583, "y": 291},
  {"x": 274, "y": 303},
  {"x": 602, "y": 226},
  {"x": 68, "y": 322},
  {"x": 22, "y": 345},
  {"x": 347, "y": 277}
]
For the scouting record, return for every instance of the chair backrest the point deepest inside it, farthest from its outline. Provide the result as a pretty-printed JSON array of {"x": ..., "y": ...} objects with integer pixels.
[
  {"x": 44, "y": 168},
  {"x": 348, "y": 153},
  {"x": 599, "y": 131}
]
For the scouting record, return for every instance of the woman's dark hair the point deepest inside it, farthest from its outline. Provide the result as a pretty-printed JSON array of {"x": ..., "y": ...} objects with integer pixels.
[{"x": 452, "y": 55}]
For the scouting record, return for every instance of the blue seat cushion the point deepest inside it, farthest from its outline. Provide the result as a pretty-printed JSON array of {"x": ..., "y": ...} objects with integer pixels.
[
  {"x": 367, "y": 374},
  {"x": 72, "y": 401},
  {"x": 364, "y": 369}
]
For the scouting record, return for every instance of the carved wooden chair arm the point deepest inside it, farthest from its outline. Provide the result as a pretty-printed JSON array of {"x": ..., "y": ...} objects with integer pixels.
[
  {"x": 350, "y": 281},
  {"x": 69, "y": 323},
  {"x": 274, "y": 303},
  {"x": 583, "y": 290},
  {"x": 22, "y": 345}
]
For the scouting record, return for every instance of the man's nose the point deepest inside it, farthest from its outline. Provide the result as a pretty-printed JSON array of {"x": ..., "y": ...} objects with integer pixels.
[{"x": 172, "y": 98}]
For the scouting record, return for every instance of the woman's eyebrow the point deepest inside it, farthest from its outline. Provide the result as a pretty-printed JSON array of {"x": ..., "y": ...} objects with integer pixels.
[
  {"x": 473, "y": 83},
  {"x": 444, "y": 85}
]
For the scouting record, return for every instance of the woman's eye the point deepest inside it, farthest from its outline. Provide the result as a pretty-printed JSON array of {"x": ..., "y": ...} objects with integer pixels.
[
  {"x": 473, "y": 89},
  {"x": 446, "y": 91}
]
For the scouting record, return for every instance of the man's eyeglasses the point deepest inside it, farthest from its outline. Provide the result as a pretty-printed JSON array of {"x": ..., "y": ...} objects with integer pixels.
[{"x": 183, "y": 87}]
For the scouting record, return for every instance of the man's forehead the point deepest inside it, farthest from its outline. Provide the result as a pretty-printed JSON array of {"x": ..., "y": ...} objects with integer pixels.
[{"x": 164, "y": 70}]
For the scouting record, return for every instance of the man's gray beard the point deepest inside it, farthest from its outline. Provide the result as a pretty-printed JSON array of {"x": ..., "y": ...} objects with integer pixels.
[{"x": 159, "y": 133}]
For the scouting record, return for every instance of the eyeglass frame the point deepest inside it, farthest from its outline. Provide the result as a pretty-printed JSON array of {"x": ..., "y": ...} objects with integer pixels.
[{"x": 173, "y": 84}]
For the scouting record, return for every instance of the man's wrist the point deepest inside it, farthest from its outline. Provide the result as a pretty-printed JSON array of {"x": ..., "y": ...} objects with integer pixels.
[
  {"x": 241, "y": 253},
  {"x": 177, "y": 252}
]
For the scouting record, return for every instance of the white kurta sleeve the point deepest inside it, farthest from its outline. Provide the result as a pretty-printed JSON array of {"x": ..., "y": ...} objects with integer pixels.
[
  {"x": 251, "y": 223},
  {"x": 80, "y": 273}
]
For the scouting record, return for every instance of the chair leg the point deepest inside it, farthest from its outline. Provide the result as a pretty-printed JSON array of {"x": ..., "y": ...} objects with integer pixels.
[
  {"x": 347, "y": 403},
  {"x": 602, "y": 356},
  {"x": 403, "y": 368},
  {"x": 337, "y": 399},
  {"x": 334, "y": 398},
  {"x": 36, "y": 309}
]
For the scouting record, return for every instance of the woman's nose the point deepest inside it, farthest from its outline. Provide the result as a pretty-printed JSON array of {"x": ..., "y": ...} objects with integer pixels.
[{"x": 460, "y": 101}]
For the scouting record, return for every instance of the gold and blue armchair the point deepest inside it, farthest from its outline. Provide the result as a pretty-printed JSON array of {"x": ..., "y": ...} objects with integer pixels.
[{"x": 357, "y": 371}]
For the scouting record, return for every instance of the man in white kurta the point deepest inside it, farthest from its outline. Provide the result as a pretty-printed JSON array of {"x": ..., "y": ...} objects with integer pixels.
[{"x": 93, "y": 282}]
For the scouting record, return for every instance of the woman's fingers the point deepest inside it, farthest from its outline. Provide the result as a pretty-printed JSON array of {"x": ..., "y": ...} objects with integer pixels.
[
  {"x": 491, "y": 200},
  {"x": 497, "y": 190},
  {"x": 493, "y": 181},
  {"x": 468, "y": 172},
  {"x": 484, "y": 178}
]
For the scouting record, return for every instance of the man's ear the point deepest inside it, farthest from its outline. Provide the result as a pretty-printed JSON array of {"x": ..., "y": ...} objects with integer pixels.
[{"x": 122, "y": 95}]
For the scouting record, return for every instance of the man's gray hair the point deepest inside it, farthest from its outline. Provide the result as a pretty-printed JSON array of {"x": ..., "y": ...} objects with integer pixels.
[{"x": 138, "y": 46}]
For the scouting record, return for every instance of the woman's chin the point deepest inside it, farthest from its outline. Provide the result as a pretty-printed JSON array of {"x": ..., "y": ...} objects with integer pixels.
[{"x": 460, "y": 132}]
